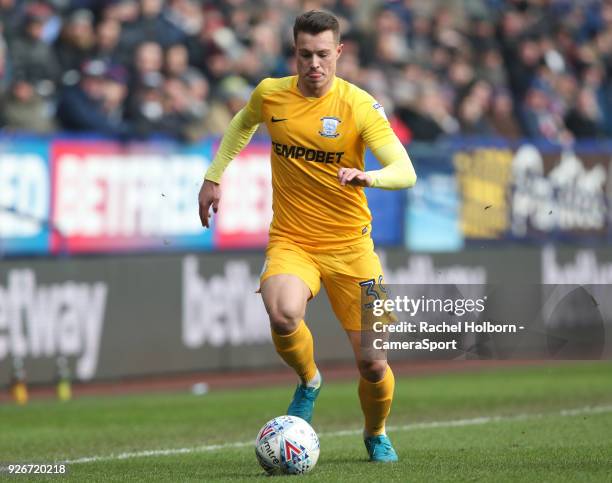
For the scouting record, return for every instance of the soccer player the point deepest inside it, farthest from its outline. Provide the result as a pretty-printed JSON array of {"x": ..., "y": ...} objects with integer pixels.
[{"x": 320, "y": 126}]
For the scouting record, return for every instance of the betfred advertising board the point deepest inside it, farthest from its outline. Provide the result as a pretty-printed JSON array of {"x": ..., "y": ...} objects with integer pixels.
[
  {"x": 108, "y": 197},
  {"x": 24, "y": 197},
  {"x": 245, "y": 210}
]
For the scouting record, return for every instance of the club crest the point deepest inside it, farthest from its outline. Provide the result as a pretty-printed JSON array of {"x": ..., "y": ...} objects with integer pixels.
[{"x": 329, "y": 127}]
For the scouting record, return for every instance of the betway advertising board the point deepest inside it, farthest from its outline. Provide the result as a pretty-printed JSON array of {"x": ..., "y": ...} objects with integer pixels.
[
  {"x": 152, "y": 315},
  {"x": 134, "y": 316}
]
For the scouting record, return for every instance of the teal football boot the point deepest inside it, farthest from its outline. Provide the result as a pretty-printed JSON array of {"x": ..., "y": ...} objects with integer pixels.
[
  {"x": 303, "y": 402},
  {"x": 380, "y": 449}
]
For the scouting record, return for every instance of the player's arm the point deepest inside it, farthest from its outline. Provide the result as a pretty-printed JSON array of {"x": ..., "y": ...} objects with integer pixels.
[
  {"x": 397, "y": 172},
  {"x": 375, "y": 130},
  {"x": 238, "y": 134}
]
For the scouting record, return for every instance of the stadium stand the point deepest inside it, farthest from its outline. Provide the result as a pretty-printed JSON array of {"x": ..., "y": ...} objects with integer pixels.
[{"x": 180, "y": 68}]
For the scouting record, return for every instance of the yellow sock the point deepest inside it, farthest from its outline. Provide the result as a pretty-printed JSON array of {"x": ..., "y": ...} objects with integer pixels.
[
  {"x": 297, "y": 350},
  {"x": 376, "y": 398}
]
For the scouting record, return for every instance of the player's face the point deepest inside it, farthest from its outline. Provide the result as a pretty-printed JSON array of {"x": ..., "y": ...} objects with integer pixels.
[{"x": 316, "y": 61}]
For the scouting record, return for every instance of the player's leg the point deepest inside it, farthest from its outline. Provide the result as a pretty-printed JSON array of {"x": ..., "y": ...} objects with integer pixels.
[
  {"x": 288, "y": 281},
  {"x": 350, "y": 275},
  {"x": 285, "y": 297},
  {"x": 376, "y": 387}
]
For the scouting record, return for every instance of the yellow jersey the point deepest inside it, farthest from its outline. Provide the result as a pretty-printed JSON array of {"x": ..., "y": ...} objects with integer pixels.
[{"x": 312, "y": 138}]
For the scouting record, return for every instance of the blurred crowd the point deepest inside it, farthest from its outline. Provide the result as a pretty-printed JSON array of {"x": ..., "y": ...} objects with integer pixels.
[{"x": 183, "y": 68}]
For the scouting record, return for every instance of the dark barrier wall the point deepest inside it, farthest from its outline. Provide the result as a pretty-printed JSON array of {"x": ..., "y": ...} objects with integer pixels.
[
  {"x": 141, "y": 315},
  {"x": 147, "y": 315}
]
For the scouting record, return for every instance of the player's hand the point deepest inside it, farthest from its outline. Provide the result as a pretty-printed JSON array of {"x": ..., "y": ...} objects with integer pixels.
[
  {"x": 210, "y": 194},
  {"x": 354, "y": 177}
]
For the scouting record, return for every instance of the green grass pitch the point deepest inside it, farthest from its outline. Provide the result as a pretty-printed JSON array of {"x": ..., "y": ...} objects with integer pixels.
[{"x": 495, "y": 425}]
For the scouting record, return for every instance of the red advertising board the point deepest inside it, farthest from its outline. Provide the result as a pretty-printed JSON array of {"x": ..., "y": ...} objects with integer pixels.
[
  {"x": 113, "y": 197},
  {"x": 245, "y": 210}
]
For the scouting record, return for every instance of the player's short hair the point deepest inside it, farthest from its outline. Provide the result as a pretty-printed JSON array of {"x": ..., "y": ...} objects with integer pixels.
[{"x": 315, "y": 22}]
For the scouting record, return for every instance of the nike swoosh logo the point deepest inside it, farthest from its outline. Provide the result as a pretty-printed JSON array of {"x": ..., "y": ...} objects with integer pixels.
[{"x": 274, "y": 119}]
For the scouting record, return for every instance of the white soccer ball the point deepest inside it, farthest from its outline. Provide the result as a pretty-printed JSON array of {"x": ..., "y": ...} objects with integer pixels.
[{"x": 287, "y": 445}]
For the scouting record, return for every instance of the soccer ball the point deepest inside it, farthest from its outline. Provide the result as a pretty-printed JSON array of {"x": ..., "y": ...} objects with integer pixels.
[{"x": 287, "y": 445}]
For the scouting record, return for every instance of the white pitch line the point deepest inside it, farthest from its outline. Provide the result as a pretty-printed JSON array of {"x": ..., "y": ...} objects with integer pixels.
[
  {"x": 477, "y": 421},
  {"x": 350, "y": 432}
]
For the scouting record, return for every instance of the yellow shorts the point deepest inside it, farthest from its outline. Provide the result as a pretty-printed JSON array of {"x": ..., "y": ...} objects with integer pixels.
[{"x": 346, "y": 273}]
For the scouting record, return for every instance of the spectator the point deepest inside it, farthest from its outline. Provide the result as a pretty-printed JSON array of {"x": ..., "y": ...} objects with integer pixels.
[
  {"x": 540, "y": 121},
  {"x": 420, "y": 60},
  {"x": 186, "y": 16},
  {"x": 25, "y": 110},
  {"x": 200, "y": 106},
  {"x": 421, "y": 39},
  {"x": 502, "y": 118},
  {"x": 177, "y": 67},
  {"x": 148, "y": 58},
  {"x": 115, "y": 84},
  {"x": 565, "y": 87},
  {"x": 88, "y": 106},
  {"x": 182, "y": 116},
  {"x": 481, "y": 33},
  {"x": 10, "y": 11},
  {"x": 145, "y": 107},
  {"x": 585, "y": 119},
  {"x": 145, "y": 77},
  {"x": 151, "y": 26},
  {"x": 349, "y": 68},
  {"x": 176, "y": 62},
  {"x": 522, "y": 71},
  {"x": 461, "y": 76},
  {"x": 491, "y": 68},
  {"x": 122, "y": 11},
  {"x": 108, "y": 32},
  {"x": 31, "y": 57},
  {"x": 429, "y": 116},
  {"x": 473, "y": 110},
  {"x": 202, "y": 47},
  {"x": 263, "y": 55},
  {"x": 234, "y": 93},
  {"x": 77, "y": 40},
  {"x": 3, "y": 67}
]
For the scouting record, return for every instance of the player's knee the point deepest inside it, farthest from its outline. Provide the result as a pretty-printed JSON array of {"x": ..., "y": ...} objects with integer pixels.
[
  {"x": 285, "y": 317},
  {"x": 372, "y": 370}
]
